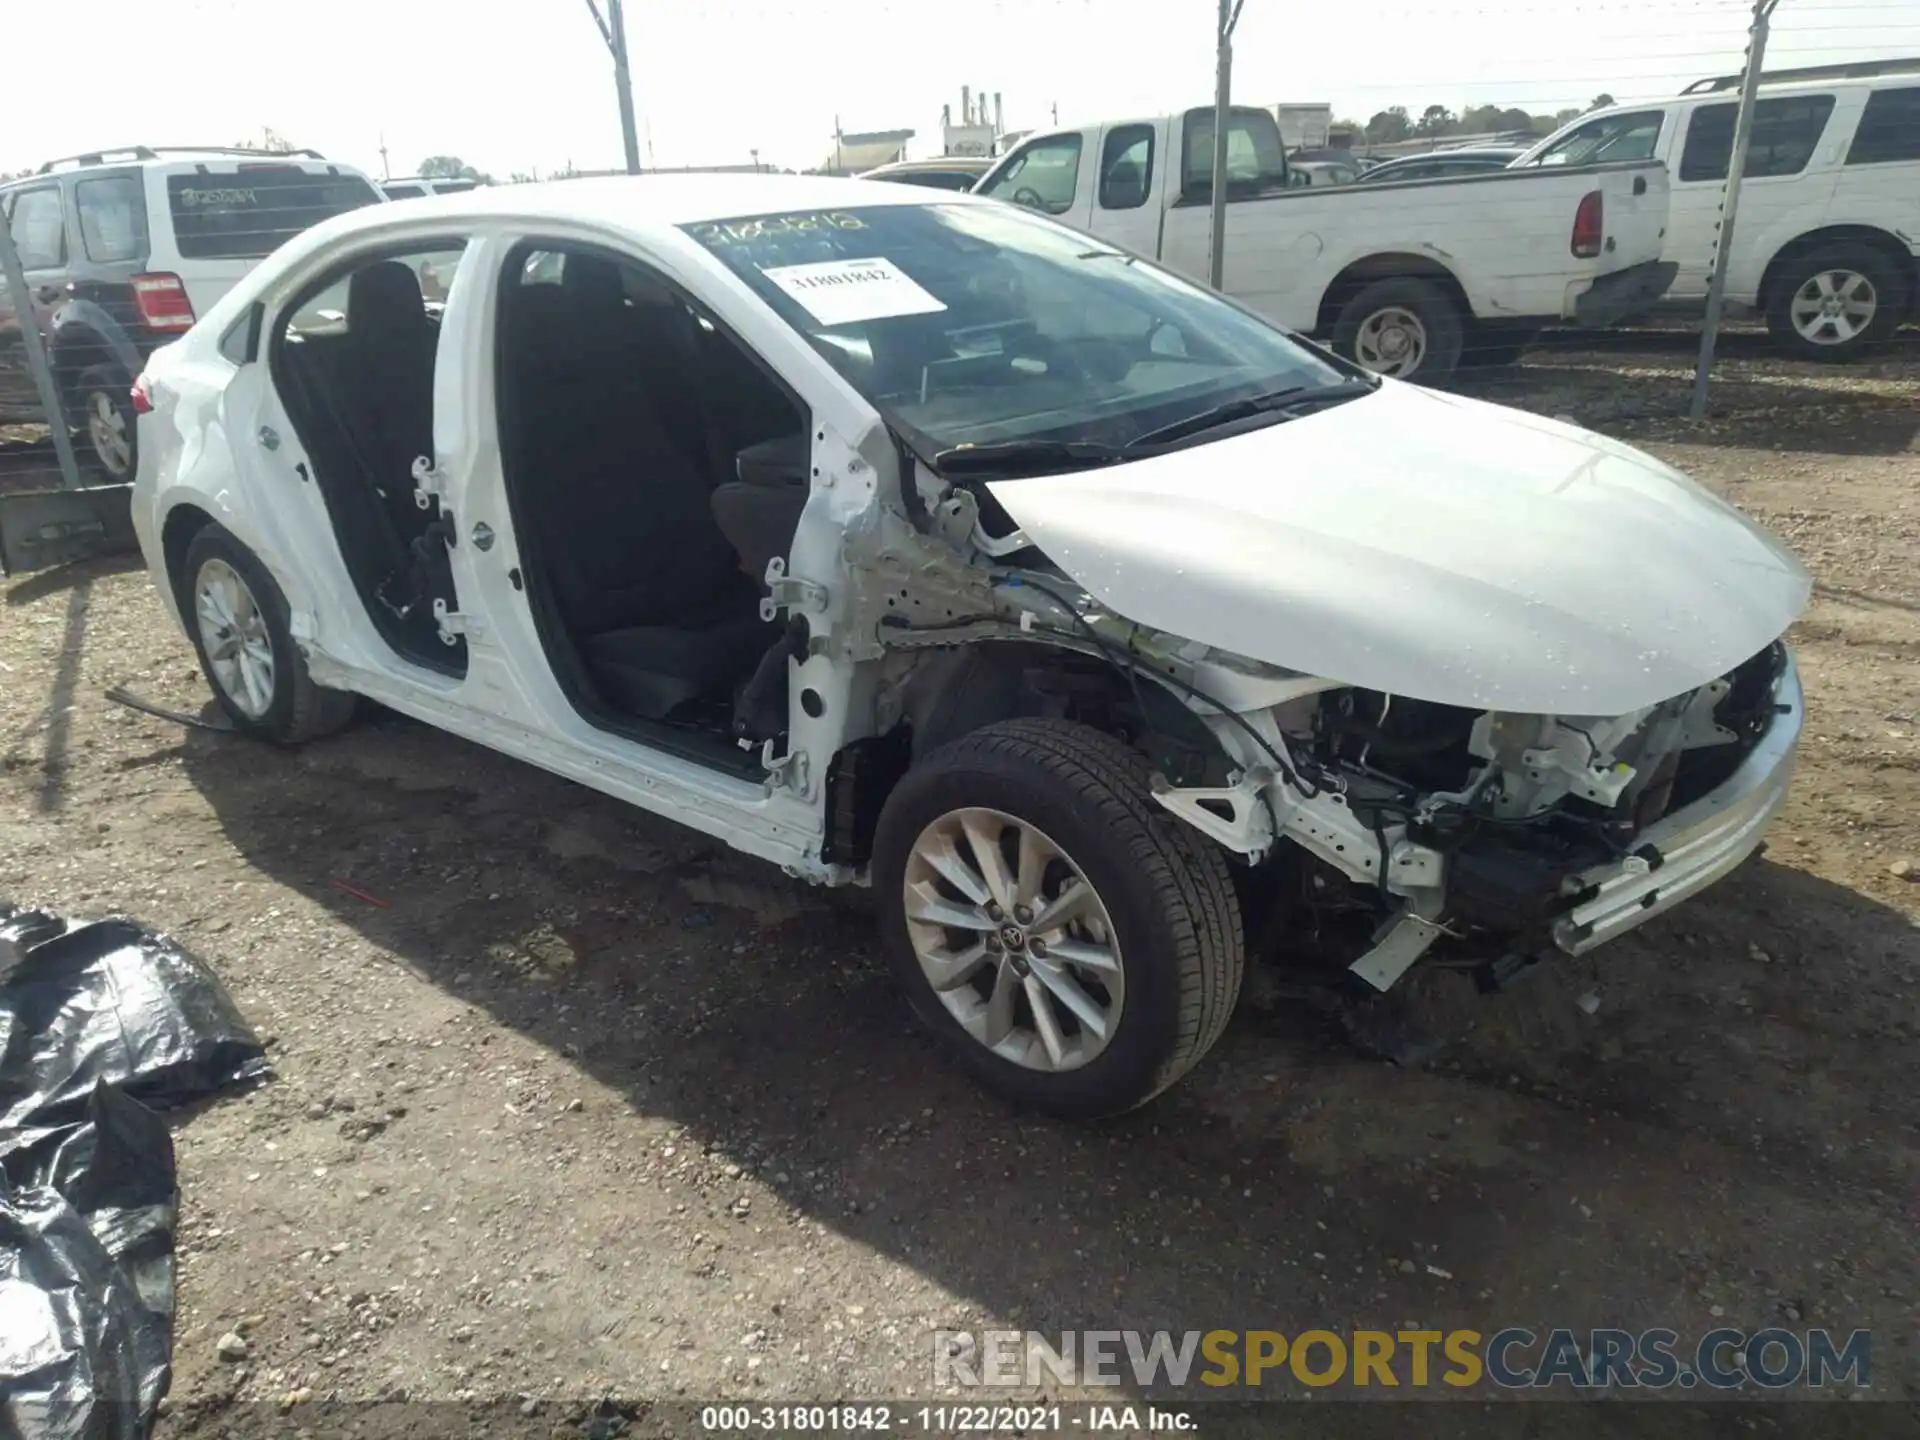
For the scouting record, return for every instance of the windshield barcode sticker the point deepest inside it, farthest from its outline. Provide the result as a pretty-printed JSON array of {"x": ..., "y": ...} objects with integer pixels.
[{"x": 845, "y": 292}]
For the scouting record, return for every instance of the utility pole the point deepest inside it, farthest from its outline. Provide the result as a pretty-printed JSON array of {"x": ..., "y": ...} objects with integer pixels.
[
  {"x": 1222, "y": 102},
  {"x": 1730, "y": 204},
  {"x": 613, "y": 29},
  {"x": 386, "y": 171}
]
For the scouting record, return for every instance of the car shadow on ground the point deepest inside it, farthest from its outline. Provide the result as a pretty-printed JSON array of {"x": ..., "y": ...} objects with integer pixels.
[
  {"x": 75, "y": 576},
  {"x": 1744, "y": 1069},
  {"x": 52, "y": 734}
]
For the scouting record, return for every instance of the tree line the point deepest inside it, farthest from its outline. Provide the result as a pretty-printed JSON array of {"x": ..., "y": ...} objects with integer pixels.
[{"x": 1396, "y": 122}]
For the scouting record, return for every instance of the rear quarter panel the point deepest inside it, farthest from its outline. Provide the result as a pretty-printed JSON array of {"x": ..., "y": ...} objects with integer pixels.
[{"x": 197, "y": 448}]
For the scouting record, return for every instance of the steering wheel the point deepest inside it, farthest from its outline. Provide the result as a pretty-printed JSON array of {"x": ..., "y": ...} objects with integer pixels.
[{"x": 1026, "y": 195}]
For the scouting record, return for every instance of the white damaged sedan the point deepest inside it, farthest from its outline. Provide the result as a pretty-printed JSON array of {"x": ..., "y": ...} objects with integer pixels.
[{"x": 1118, "y": 639}]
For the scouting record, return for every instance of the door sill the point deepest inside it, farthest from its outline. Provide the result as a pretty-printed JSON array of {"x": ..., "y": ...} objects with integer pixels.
[{"x": 702, "y": 747}]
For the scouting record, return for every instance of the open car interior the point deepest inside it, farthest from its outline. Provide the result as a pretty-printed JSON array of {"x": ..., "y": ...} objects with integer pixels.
[
  {"x": 355, "y": 365},
  {"x": 653, "y": 470}
]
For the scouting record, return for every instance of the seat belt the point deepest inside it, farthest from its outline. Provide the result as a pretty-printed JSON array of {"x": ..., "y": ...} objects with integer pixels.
[{"x": 691, "y": 341}]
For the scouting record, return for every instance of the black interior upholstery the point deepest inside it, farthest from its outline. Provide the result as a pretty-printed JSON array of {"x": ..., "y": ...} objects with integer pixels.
[
  {"x": 619, "y": 436},
  {"x": 1124, "y": 187},
  {"x": 362, "y": 402},
  {"x": 387, "y": 374},
  {"x": 759, "y": 511}
]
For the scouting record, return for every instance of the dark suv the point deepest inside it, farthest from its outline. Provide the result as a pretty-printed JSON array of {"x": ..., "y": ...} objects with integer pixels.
[{"x": 122, "y": 249}]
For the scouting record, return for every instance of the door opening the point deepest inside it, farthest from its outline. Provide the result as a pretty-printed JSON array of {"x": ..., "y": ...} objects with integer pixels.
[
  {"x": 353, "y": 361},
  {"x": 653, "y": 466}
]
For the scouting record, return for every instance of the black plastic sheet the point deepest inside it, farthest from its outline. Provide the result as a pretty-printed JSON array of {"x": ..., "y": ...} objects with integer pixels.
[{"x": 101, "y": 1025}]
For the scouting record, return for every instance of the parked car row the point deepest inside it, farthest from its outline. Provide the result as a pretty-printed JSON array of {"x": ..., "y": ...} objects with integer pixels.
[
  {"x": 122, "y": 248},
  {"x": 414, "y": 187},
  {"x": 947, "y": 172},
  {"x": 1468, "y": 160},
  {"x": 1826, "y": 249}
]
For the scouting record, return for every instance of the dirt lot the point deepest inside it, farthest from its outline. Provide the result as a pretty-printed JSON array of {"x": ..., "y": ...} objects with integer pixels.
[{"x": 570, "y": 1102}]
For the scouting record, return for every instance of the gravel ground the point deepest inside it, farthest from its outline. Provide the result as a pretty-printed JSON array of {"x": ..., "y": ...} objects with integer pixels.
[{"x": 569, "y": 1102}]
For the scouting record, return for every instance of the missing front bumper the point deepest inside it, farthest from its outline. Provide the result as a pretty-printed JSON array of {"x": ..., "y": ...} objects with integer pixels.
[{"x": 1694, "y": 846}]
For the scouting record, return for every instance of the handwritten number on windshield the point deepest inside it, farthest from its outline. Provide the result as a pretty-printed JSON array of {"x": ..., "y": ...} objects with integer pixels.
[{"x": 766, "y": 227}]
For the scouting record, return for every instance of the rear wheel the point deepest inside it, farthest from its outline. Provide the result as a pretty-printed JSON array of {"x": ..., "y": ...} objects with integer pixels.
[
  {"x": 1837, "y": 302},
  {"x": 106, "y": 410},
  {"x": 1407, "y": 328},
  {"x": 1076, "y": 948},
  {"x": 237, "y": 618}
]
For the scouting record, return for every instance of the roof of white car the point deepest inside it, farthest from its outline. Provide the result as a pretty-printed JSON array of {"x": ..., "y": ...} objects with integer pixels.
[{"x": 663, "y": 200}]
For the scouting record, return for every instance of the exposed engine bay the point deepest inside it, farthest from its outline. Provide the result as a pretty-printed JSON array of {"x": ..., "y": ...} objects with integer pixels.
[
  {"x": 1519, "y": 806},
  {"x": 1416, "y": 829}
]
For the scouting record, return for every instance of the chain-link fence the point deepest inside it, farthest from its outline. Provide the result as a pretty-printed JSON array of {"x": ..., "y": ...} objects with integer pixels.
[
  {"x": 110, "y": 254},
  {"x": 58, "y": 502}
]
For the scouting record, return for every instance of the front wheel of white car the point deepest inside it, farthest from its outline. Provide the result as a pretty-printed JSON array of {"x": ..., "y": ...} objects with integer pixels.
[
  {"x": 1075, "y": 947},
  {"x": 236, "y": 617}
]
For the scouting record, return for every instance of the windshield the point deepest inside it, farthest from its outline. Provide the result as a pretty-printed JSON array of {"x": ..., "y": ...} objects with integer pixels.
[
  {"x": 966, "y": 324},
  {"x": 1608, "y": 139}
]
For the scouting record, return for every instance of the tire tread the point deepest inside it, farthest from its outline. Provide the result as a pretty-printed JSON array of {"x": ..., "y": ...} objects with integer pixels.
[
  {"x": 1891, "y": 285},
  {"x": 108, "y": 378},
  {"x": 1447, "y": 324},
  {"x": 313, "y": 711},
  {"x": 1188, "y": 876}
]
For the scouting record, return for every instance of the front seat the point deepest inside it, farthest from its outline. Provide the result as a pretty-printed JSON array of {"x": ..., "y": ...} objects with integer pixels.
[
  {"x": 643, "y": 580},
  {"x": 759, "y": 512},
  {"x": 1125, "y": 187}
]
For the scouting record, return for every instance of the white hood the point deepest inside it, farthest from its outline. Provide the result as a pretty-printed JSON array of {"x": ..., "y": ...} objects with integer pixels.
[{"x": 1430, "y": 546}]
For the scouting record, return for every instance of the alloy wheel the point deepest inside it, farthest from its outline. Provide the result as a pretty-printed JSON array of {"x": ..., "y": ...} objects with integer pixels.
[
  {"x": 107, "y": 432},
  {"x": 233, "y": 632},
  {"x": 1014, "y": 940},
  {"x": 1834, "y": 307}
]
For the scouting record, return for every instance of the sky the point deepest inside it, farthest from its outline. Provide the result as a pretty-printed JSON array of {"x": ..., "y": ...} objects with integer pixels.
[{"x": 522, "y": 84}]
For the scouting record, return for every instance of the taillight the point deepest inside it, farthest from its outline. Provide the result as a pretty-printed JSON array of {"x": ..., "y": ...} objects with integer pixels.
[
  {"x": 1589, "y": 225},
  {"x": 163, "y": 302},
  {"x": 142, "y": 397}
]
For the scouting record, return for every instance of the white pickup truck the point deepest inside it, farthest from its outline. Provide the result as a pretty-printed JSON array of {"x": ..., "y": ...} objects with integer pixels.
[{"x": 1407, "y": 279}]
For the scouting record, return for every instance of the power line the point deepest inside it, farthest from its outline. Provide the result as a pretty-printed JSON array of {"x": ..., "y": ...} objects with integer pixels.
[{"x": 1609, "y": 80}]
